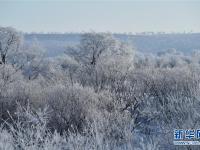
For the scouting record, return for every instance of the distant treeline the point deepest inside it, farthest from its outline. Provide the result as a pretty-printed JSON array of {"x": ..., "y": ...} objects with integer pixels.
[{"x": 56, "y": 43}]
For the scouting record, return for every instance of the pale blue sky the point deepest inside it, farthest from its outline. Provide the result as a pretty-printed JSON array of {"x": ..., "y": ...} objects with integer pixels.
[{"x": 101, "y": 15}]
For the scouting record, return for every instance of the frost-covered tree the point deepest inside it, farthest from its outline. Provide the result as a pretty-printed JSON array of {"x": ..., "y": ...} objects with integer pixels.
[
  {"x": 32, "y": 58},
  {"x": 69, "y": 66},
  {"x": 10, "y": 41},
  {"x": 102, "y": 57},
  {"x": 91, "y": 47}
]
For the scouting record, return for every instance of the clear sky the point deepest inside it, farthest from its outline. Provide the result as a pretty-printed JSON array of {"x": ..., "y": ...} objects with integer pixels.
[{"x": 101, "y": 15}]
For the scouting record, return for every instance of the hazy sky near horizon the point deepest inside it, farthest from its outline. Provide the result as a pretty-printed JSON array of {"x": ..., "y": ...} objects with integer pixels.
[{"x": 101, "y": 15}]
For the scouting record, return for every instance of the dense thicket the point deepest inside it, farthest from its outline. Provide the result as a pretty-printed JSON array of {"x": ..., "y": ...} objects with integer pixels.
[{"x": 100, "y": 94}]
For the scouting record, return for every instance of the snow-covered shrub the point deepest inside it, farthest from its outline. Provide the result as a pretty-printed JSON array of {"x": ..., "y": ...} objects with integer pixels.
[
  {"x": 28, "y": 130},
  {"x": 70, "y": 106},
  {"x": 6, "y": 140}
]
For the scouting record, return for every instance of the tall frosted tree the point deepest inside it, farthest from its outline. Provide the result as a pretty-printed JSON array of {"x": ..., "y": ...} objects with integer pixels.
[
  {"x": 91, "y": 47},
  {"x": 10, "y": 41},
  {"x": 102, "y": 56}
]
